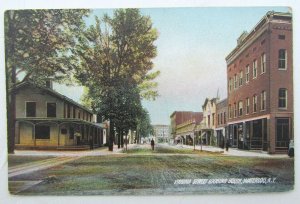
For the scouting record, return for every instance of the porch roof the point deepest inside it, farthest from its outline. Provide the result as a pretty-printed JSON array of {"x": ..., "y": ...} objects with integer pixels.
[{"x": 36, "y": 120}]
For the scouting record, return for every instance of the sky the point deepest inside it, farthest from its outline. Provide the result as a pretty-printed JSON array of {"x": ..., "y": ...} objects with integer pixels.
[{"x": 192, "y": 46}]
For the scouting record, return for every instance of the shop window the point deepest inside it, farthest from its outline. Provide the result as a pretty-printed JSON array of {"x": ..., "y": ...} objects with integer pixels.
[
  {"x": 42, "y": 132},
  {"x": 71, "y": 136},
  {"x": 282, "y": 132},
  {"x": 30, "y": 109}
]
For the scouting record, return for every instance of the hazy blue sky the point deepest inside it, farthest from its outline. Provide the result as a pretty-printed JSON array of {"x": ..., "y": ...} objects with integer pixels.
[{"x": 192, "y": 46}]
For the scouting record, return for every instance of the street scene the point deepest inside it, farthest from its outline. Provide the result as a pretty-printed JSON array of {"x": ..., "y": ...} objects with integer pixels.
[{"x": 149, "y": 101}]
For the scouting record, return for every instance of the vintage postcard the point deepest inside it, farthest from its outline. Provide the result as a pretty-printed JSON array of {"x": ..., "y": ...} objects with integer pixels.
[{"x": 150, "y": 101}]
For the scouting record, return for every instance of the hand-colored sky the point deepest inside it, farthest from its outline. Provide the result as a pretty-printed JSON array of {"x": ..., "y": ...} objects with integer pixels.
[{"x": 192, "y": 46}]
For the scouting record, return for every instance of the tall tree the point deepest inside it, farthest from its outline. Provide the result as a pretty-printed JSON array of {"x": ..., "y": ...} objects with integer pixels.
[
  {"x": 116, "y": 58},
  {"x": 38, "y": 44}
]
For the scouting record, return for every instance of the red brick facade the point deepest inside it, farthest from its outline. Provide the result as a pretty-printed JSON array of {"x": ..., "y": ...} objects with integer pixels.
[{"x": 267, "y": 47}]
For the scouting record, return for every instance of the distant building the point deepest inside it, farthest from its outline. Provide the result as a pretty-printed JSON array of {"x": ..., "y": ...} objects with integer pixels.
[
  {"x": 183, "y": 126},
  {"x": 221, "y": 127},
  {"x": 208, "y": 124},
  {"x": 260, "y": 86},
  {"x": 46, "y": 119},
  {"x": 161, "y": 133}
]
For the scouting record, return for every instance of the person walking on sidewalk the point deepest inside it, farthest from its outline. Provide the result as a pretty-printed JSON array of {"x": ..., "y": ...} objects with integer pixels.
[
  {"x": 152, "y": 144},
  {"x": 227, "y": 145}
]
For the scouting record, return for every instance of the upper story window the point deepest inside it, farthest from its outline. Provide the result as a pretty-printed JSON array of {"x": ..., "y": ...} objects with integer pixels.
[
  {"x": 30, "y": 109},
  {"x": 235, "y": 110},
  {"x": 241, "y": 79},
  {"x": 240, "y": 108},
  {"x": 221, "y": 118},
  {"x": 224, "y": 117},
  {"x": 247, "y": 73},
  {"x": 263, "y": 63},
  {"x": 282, "y": 98},
  {"x": 230, "y": 84},
  {"x": 213, "y": 119},
  {"x": 68, "y": 111},
  {"x": 282, "y": 56},
  {"x": 79, "y": 114},
  {"x": 51, "y": 110},
  {"x": 281, "y": 37},
  {"x": 235, "y": 81},
  {"x": 229, "y": 111},
  {"x": 208, "y": 120},
  {"x": 254, "y": 69},
  {"x": 247, "y": 106},
  {"x": 263, "y": 98},
  {"x": 254, "y": 103}
]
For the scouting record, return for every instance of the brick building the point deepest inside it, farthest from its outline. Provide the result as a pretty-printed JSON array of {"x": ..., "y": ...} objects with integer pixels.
[
  {"x": 260, "y": 86},
  {"x": 183, "y": 125}
]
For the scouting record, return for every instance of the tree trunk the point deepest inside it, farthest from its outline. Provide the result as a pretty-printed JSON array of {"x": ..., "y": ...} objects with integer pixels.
[
  {"x": 111, "y": 138},
  {"x": 11, "y": 96},
  {"x": 119, "y": 139},
  {"x": 122, "y": 139}
]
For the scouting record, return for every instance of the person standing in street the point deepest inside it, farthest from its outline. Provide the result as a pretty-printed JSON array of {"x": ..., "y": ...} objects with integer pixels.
[{"x": 152, "y": 144}]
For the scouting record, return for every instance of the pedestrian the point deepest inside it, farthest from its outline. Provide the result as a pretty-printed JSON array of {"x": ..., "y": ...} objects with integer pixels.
[
  {"x": 152, "y": 144},
  {"x": 227, "y": 145}
]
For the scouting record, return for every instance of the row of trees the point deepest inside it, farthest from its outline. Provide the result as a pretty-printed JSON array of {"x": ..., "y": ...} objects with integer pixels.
[{"x": 112, "y": 58}]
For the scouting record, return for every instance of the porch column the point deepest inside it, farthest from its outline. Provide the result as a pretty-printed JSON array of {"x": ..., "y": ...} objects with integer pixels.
[
  {"x": 58, "y": 135},
  {"x": 33, "y": 132}
]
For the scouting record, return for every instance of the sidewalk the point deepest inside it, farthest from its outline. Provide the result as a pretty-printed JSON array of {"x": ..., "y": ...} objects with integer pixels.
[{"x": 234, "y": 151}]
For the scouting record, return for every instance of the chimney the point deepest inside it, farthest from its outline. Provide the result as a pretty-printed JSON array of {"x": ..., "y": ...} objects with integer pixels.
[{"x": 49, "y": 83}]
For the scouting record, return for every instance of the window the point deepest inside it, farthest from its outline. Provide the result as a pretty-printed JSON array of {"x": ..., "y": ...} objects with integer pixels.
[
  {"x": 224, "y": 117},
  {"x": 229, "y": 111},
  {"x": 247, "y": 106},
  {"x": 263, "y": 63},
  {"x": 263, "y": 101},
  {"x": 208, "y": 119},
  {"x": 247, "y": 73},
  {"x": 230, "y": 85},
  {"x": 51, "y": 110},
  {"x": 241, "y": 79},
  {"x": 68, "y": 111},
  {"x": 63, "y": 131},
  {"x": 282, "y": 98},
  {"x": 281, "y": 37},
  {"x": 240, "y": 108},
  {"x": 218, "y": 119},
  {"x": 235, "y": 81},
  {"x": 235, "y": 110},
  {"x": 42, "y": 132},
  {"x": 79, "y": 114},
  {"x": 30, "y": 109},
  {"x": 282, "y": 55},
  {"x": 74, "y": 112},
  {"x": 282, "y": 132},
  {"x": 254, "y": 103},
  {"x": 254, "y": 69},
  {"x": 221, "y": 118},
  {"x": 71, "y": 136}
]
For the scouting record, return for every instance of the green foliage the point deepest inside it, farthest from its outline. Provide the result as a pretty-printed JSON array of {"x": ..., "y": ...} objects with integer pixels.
[
  {"x": 39, "y": 43},
  {"x": 115, "y": 59}
]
